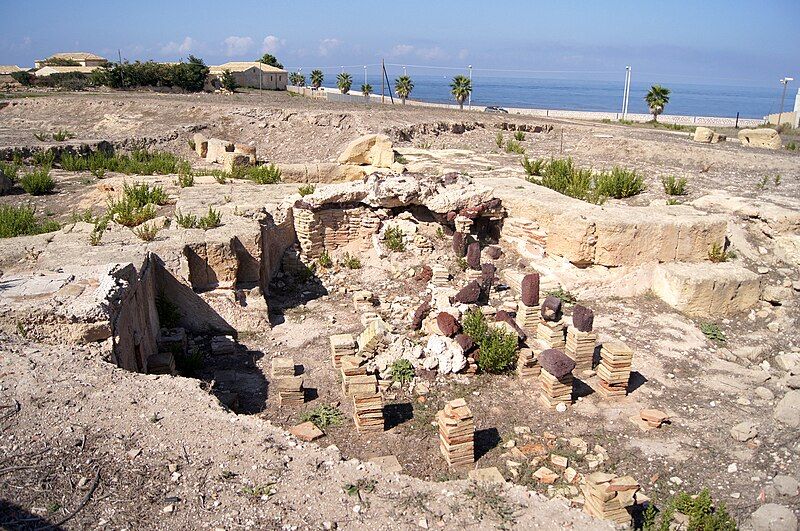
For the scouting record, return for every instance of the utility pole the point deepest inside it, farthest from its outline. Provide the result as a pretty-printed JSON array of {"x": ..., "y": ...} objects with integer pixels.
[
  {"x": 383, "y": 71},
  {"x": 469, "y": 96},
  {"x": 785, "y": 83},
  {"x": 626, "y": 92}
]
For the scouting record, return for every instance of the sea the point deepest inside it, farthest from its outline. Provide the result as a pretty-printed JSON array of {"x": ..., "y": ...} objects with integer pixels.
[{"x": 594, "y": 95}]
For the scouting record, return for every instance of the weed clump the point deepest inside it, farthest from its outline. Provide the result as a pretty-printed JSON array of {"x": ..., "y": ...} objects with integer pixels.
[
  {"x": 565, "y": 178},
  {"x": 699, "y": 509},
  {"x": 325, "y": 260},
  {"x": 137, "y": 204},
  {"x": 62, "y": 135},
  {"x": 533, "y": 168},
  {"x": 323, "y": 416},
  {"x": 560, "y": 293},
  {"x": 306, "y": 189},
  {"x": 402, "y": 371},
  {"x": 146, "y": 231},
  {"x": 713, "y": 332},
  {"x": 38, "y": 181},
  {"x": 258, "y": 174},
  {"x": 186, "y": 221},
  {"x": 673, "y": 186},
  {"x": 21, "y": 221},
  {"x": 498, "y": 351},
  {"x": 474, "y": 325},
  {"x": 519, "y": 136},
  {"x": 619, "y": 183},
  {"x": 512, "y": 146},
  {"x": 350, "y": 262},
  {"x": 393, "y": 237},
  {"x": 717, "y": 253},
  {"x": 138, "y": 162},
  {"x": 498, "y": 140},
  {"x": 211, "y": 220}
]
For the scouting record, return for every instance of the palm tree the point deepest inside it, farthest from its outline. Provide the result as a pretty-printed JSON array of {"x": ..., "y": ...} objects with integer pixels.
[
  {"x": 460, "y": 88},
  {"x": 656, "y": 99},
  {"x": 317, "y": 77},
  {"x": 269, "y": 59},
  {"x": 297, "y": 79},
  {"x": 344, "y": 81},
  {"x": 366, "y": 89},
  {"x": 403, "y": 87}
]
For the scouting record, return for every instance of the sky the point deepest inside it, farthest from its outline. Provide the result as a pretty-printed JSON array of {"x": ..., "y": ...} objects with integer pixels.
[{"x": 710, "y": 41}]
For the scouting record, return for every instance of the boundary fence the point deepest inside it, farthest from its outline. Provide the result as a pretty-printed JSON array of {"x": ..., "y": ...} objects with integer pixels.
[{"x": 357, "y": 97}]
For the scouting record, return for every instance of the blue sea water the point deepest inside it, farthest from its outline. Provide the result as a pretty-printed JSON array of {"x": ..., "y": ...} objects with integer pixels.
[{"x": 595, "y": 95}]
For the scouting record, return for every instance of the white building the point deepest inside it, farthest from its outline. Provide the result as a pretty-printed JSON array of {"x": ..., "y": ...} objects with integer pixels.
[{"x": 250, "y": 74}]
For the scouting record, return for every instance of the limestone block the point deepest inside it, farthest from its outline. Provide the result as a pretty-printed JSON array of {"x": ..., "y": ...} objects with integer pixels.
[
  {"x": 250, "y": 151},
  {"x": 373, "y": 149},
  {"x": 707, "y": 289},
  {"x": 762, "y": 138},
  {"x": 230, "y": 161},
  {"x": 707, "y": 136},
  {"x": 200, "y": 144},
  {"x": 217, "y": 148}
]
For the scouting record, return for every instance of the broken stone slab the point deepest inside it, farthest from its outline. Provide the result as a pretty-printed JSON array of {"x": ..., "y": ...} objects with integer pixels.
[
  {"x": 486, "y": 475},
  {"x": 373, "y": 149},
  {"x": 388, "y": 464},
  {"x": 707, "y": 289},
  {"x": 582, "y": 318},
  {"x": 551, "y": 309},
  {"x": 787, "y": 411},
  {"x": 245, "y": 149},
  {"x": 306, "y": 431},
  {"x": 556, "y": 362},
  {"x": 773, "y": 517},
  {"x": 223, "y": 345},
  {"x": 469, "y": 294},
  {"x": 744, "y": 431},
  {"x": 216, "y": 148},
  {"x": 761, "y": 138}
]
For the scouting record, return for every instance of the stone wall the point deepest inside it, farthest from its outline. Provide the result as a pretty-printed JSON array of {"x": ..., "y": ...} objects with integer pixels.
[{"x": 332, "y": 228}]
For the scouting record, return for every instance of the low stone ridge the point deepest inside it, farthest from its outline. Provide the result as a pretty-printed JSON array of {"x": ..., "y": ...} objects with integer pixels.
[
  {"x": 582, "y": 318},
  {"x": 530, "y": 289},
  {"x": 469, "y": 294},
  {"x": 556, "y": 362},
  {"x": 551, "y": 308},
  {"x": 448, "y": 324},
  {"x": 474, "y": 256}
]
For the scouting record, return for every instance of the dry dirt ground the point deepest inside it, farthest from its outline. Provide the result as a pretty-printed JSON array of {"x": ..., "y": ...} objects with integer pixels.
[{"x": 97, "y": 447}]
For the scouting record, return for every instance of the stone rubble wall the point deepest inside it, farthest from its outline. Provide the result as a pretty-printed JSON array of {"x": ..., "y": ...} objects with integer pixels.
[{"x": 333, "y": 228}]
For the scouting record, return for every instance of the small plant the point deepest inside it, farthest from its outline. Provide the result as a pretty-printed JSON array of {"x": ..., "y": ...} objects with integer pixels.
[
  {"x": 425, "y": 144},
  {"x": 42, "y": 137},
  {"x": 192, "y": 144},
  {"x": 717, "y": 253},
  {"x": 619, "y": 183},
  {"x": 62, "y": 134},
  {"x": 701, "y": 513},
  {"x": 777, "y": 180},
  {"x": 259, "y": 491},
  {"x": 365, "y": 486},
  {"x": 475, "y": 325},
  {"x": 461, "y": 263},
  {"x": 86, "y": 216},
  {"x": 43, "y": 158},
  {"x": 263, "y": 174},
  {"x": 211, "y": 220},
  {"x": 712, "y": 332},
  {"x": 191, "y": 363},
  {"x": 672, "y": 201},
  {"x": 400, "y": 159},
  {"x": 9, "y": 171},
  {"x": 146, "y": 231},
  {"x": 499, "y": 140},
  {"x": 512, "y": 146},
  {"x": 560, "y": 293},
  {"x": 519, "y": 136},
  {"x": 185, "y": 180},
  {"x": 323, "y": 416},
  {"x": 439, "y": 233},
  {"x": 498, "y": 351},
  {"x": 21, "y": 221},
  {"x": 402, "y": 371},
  {"x": 393, "y": 237},
  {"x": 306, "y": 189},
  {"x": 325, "y": 260},
  {"x": 38, "y": 181},
  {"x": 762, "y": 184},
  {"x": 169, "y": 315},
  {"x": 791, "y": 146},
  {"x": 532, "y": 167},
  {"x": 187, "y": 221},
  {"x": 673, "y": 186},
  {"x": 95, "y": 238},
  {"x": 137, "y": 204},
  {"x": 350, "y": 262}
]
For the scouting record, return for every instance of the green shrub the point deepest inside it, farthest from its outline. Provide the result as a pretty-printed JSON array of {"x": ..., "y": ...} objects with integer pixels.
[
  {"x": 9, "y": 171},
  {"x": 306, "y": 189},
  {"x": 323, "y": 416},
  {"x": 138, "y": 162},
  {"x": 713, "y": 332},
  {"x": 673, "y": 186},
  {"x": 474, "y": 325},
  {"x": 498, "y": 139},
  {"x": 325, "y": 260},
  {"x": 672, "y": 201},
  {"x": 393, "y": 237},
  {"x": 43, "y": 158},
  {"x": 519, "y": 136},
  {"x": 38, "y": 181},
  {"x": 402, "y": 371},
  {"x": 498, "y": 351},
  {"x": 512, "y": 146},
  {"x": 227, "y": 81},
  {"x": 717, "y": 253},
  {"x": 187, "y": 221},
  {"x": 86, "y": 216},
  {"x": 146, "y": 231},
  {"x": 137, "y": 204},
  {"x": 62, "y": 134},
  {"x": 21, "y": 221},
  {"x": 560, "y": 293},
  {"x": 700, "y": 510},
  {"x": 791, "y": 146},
  {"x": 41, "y": 137},
  {"x": 532, "y": 167},
  {"x": 190, "y": 75},
  {"x": 619, "y": 183},
  {"x": 185, "y": 180},
  {"x": 211, "y": 220},
  {"x": 259, "y": 174},
  {"x": 350, "y": 262},
  {"x": 562, "y": 176}
]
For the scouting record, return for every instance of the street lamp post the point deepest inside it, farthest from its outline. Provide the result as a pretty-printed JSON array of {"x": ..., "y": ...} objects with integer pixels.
[
  {"x": 785, "y": 83},
  {"x": 626, "y": 91},
  {"x": 469, "y": 97}
]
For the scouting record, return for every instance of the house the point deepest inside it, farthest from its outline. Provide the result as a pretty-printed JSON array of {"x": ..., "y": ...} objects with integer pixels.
[
  {"x": 83, "y": 59},
  {"x": 249, "y": 74},
  {"x": 48, "y": 70},
  {"x": 5, "y": 74}
]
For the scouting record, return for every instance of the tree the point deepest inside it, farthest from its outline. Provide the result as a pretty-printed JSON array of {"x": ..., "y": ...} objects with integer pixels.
[
  {"x": 297, "y": 79},
  {"x": 403, "y": 87},
  {"x": 657, "y": 98},
  {"x": 317, "y": 77},
  {"x": 228, "y": 81},
  {"x": 271, "y": 60},
  {"x": 366, "y": 89},
  {"x": 460, "y": 88},
  {"x": 344, "y": 81}
]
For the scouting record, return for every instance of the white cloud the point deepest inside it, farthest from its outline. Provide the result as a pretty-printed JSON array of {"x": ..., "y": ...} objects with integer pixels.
[
  {"x": 463, "y": 53},
  {"x": 401, "y": 50},
  {"x": 272, "y": 44},
  {"x": 328, "y": 45},
  {"x": 237, "y": 45},
  {"x": 432, "y": 54},
  {"x": 187, "y": 45}
]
